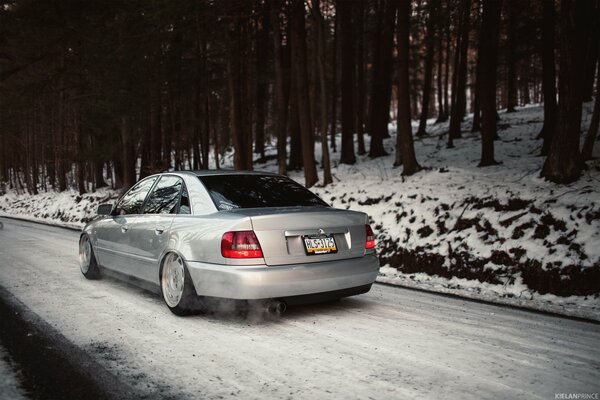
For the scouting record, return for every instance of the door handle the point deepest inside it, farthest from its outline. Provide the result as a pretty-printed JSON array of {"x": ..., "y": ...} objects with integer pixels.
[
  {"x": 159, "y": 230},
  {"x": 124, "y": 228}
]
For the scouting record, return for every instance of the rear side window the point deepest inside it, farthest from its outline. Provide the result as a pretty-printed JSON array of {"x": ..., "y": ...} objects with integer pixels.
[
  {"x": 132, "y": 201},
  {"x": 229, "y": 192},
  {"x": 164, "y": 198},
  {"x": 184, "y": 203}
]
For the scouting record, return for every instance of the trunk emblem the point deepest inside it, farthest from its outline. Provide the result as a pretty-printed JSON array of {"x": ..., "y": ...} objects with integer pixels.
[{"x": 321, "y": 232}]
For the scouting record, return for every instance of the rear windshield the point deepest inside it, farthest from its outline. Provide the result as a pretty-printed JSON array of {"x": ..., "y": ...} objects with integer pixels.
[{"x": 253, "y": 191}]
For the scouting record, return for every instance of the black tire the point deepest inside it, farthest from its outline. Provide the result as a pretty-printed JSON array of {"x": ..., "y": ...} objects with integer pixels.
[
  {"x": 87, "y": 259},
  {"x": 185, "y": 303}
]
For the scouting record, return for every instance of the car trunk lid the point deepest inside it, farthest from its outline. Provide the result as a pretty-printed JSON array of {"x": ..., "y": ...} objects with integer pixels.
[{"x": 282, "y": 232}]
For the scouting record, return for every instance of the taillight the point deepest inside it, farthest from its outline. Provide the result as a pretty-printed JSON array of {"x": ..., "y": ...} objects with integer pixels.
[
  {"x": 370, "y": 243},
  {"x": 240, "y": 244}
]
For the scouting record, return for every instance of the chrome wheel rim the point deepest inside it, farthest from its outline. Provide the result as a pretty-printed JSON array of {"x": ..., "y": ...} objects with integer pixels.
[
  {"x": 173, "y": 279},
  {"x": 85, "y": 254}
]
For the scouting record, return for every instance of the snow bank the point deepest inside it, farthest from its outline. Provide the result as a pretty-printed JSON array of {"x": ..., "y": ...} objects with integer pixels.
[{"x": 59, "y": 208}]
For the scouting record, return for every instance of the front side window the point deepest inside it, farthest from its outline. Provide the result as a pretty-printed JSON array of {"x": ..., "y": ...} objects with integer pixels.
[
  {"x": 164, "y": 199},
  {"x": 229, "y": 192},
  {"x": 132, "y": 201}
]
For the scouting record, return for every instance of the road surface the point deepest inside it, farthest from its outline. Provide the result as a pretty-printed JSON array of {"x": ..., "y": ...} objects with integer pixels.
[{"x": 390, "y": 343}]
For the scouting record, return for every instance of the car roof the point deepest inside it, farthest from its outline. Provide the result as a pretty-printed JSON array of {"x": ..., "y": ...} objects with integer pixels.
[{"x": 213, "y": 172}]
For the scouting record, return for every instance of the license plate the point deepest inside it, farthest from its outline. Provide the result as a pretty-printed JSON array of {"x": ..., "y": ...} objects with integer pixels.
[{"x": 319, "y": 245}]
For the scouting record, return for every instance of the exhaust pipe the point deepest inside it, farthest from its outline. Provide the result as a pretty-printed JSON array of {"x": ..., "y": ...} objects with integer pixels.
[{"x": 275, "y": 308}]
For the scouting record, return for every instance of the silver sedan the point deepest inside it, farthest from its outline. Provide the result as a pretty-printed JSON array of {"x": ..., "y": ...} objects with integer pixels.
[{"x": 235, "y": 235}]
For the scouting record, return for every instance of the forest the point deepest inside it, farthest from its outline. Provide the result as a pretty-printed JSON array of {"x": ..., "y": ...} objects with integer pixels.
[{"x": 98, "y": 93}]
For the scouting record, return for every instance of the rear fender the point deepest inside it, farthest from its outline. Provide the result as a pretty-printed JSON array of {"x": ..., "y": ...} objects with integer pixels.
[{"x": 198, "y": 238}]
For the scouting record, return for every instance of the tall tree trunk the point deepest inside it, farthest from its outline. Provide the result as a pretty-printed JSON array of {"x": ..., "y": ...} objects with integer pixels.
[
  {"x": 48, "y": 156},
  {"x": 361, "y": 88},
  {"x": 334, "y": 79},
  {"x": 30, "y": 164},
  {"x": 262, "y": 60},
  {"x": 590, "y": 138},
  {"x": 345, "y": 10},
  {"x": 41, "y": 125},
  {"x": 415, "y": 80},
  {"x": 60, "y": 136},
  {"x": 440, "y": 71},
  {"x": 447, "y": 68},
  {"x": 247, "y": 85},
  {"x": 405, "y": 151},
  {"x": 321, "y": 59},
  {"x": 592, "y": 17},
  {"x": 511, "y": 79},
  {"x": 464, "y": 62},
  {"x": 198, "y": 113},
  {"x": 234, "y": 83},
  {"x": 476, "y": 127},
  {"x": 98, "y": 174},
  {"x": 459, "y": 91},
  {"x": 79, "y": 145},
  {"x": 490, "y": 27},
  {"x": 430, "y": 44},
  {"x": 155, "y": 130},
  {"x": 381, "y": 84},
  {"x": 296, "y": 160},
  {"x": 299, "y": 68},
  {"x": 563, "y": 164},
  {"x": 455, "y": 69},
  {"x": 127, "y": 154},
  {"x": 215, "y": 113},
  {"x": 281, "y": 94},
  {"x": 548, "y": 74},
  {"x": 167, "y": 139},
  {"x": 205, "y": 131},
  {"x": 175, "y": 130},
  {"x": 525, "y": 89}
]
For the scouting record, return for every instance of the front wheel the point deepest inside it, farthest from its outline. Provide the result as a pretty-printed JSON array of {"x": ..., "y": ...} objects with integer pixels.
[
  {"x": 176, "y": 286},
  {"x": 87, "y": 259}
]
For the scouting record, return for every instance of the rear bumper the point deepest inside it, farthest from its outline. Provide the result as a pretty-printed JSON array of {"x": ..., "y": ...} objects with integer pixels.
[{"x": 262, "y": 282}]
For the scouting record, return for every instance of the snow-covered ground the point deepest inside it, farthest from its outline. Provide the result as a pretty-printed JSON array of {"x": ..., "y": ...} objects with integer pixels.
[{"x": 498, "y": 233}]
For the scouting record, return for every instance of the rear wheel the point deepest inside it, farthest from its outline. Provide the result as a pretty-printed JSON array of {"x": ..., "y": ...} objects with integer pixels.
[
  {"x": 176, "y": 286},
  {"x": 87, "y": 259}
]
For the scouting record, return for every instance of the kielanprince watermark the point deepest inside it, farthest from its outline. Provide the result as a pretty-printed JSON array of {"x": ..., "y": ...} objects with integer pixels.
[{"x": 576, "y": 396}]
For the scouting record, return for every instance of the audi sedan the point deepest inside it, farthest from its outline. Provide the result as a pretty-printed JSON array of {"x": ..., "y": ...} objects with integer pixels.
[{"x": 231, "y": 234}]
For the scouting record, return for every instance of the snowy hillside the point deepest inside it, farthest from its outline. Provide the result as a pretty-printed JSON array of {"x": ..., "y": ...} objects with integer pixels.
[
  {"x": 490, "y": 224},
  {"x": 499, "y": 233}
]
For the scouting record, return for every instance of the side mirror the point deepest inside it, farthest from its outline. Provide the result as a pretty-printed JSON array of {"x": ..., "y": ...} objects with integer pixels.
[{"x": 104, "y": 209}]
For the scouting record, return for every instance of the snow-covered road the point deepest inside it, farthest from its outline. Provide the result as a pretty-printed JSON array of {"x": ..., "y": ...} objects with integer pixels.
[{"x": 389, "y": 343}]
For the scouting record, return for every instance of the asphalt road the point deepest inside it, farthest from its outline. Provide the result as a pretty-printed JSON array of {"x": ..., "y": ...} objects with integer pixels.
[{"x": 390, "y": 343}]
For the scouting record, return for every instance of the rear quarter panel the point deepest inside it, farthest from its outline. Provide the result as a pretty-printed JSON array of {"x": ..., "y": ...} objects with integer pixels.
[{"x": 198, "y": 237}]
